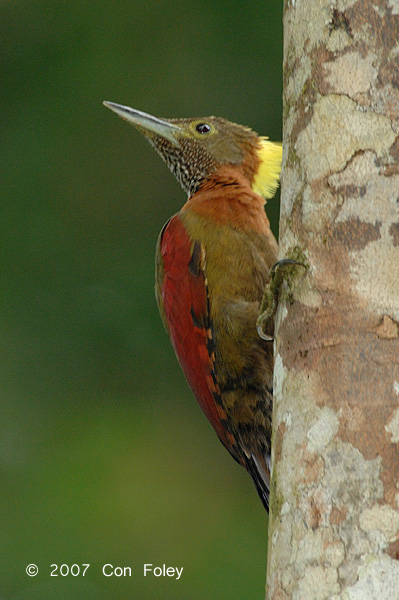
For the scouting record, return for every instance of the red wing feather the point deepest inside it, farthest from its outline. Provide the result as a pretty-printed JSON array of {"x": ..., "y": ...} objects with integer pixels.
[{"x": 183, "y": 291}]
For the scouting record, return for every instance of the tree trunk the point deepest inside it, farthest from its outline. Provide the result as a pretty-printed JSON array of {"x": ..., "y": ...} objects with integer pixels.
[{"x": 334, "y": 519}]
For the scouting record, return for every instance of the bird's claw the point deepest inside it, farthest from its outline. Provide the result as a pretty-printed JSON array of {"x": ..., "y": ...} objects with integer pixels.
[
  {"x": 261, "y": 334},
  {"x": 272, "y": 294},
  {"x": 284, "y": 262}
]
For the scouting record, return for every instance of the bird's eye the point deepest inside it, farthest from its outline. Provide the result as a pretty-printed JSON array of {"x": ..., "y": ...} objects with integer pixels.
[{"x": 203, "y": 128}]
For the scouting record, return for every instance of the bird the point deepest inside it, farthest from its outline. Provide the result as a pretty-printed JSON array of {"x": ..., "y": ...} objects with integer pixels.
[{"x": 213, "y": 262}]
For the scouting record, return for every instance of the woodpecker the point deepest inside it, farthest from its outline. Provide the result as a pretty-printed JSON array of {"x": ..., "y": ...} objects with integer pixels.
[{"x": 213, "y": 261}]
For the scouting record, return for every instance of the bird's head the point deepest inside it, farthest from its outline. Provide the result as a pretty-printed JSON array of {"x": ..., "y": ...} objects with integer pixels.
[{"x": 194, "y": 149}]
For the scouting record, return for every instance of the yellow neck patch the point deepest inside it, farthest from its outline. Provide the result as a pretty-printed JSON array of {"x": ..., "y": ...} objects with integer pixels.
[{"x": 266, "y": 179}]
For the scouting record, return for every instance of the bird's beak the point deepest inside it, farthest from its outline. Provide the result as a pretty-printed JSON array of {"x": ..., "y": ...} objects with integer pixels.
[{"x": 147, "y": 123}]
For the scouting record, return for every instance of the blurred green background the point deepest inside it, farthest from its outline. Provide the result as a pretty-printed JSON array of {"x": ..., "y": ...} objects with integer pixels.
[{"x": 105, "y": 456}]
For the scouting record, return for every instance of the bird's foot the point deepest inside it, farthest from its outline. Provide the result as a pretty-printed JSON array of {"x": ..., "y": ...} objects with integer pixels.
[{"x": 279, "y": 273}]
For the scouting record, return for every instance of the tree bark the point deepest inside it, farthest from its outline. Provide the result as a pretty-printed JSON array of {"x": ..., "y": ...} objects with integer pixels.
[{"x": 334, "y": 519}]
